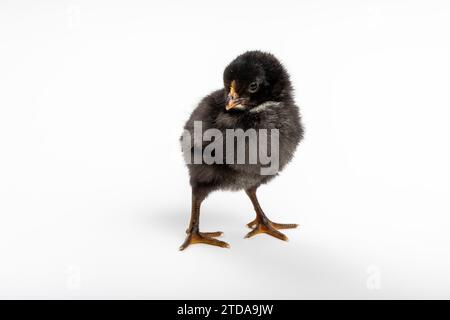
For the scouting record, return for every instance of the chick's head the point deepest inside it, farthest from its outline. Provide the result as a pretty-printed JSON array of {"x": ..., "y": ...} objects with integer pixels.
[{"x": 253, "y": 78}]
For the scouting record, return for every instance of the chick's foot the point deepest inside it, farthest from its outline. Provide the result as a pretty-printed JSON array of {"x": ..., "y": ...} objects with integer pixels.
[
  {"x": 270, "y": 228},
  {"x": 204, "y": 237}
]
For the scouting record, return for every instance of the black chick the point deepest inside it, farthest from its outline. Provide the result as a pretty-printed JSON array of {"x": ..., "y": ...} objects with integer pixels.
[{"x": 257, "y": 94}]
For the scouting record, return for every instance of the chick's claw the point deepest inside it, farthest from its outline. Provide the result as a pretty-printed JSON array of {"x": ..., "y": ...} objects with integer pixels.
[
  {"x": 211, "y": 234},
  {"x": 204, "y": 237},
  {"x": 208, "y": 234},
  {"x": 270, "y": 228},
  {"x": 252, "y": 223},
  {"x": 279, "y": 226}
]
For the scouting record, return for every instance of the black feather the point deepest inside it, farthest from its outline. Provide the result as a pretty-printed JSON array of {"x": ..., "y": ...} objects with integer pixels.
[{"x": 274, "y": 85}]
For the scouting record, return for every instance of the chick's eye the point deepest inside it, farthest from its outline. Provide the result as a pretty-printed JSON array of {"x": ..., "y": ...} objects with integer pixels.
[{"x": 253, "y": 87}]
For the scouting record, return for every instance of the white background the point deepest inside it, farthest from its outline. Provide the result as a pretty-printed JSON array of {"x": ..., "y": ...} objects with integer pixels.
[{"x": 94, "y": 195}]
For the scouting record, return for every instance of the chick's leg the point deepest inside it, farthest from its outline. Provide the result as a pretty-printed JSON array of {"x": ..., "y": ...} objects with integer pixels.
[
  {"x": 193, "y": 233},
  {"x": 262, "y": 224}
]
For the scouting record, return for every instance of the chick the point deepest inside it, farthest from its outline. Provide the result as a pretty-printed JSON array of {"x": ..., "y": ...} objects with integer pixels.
[{"x": 257, "y": 94}]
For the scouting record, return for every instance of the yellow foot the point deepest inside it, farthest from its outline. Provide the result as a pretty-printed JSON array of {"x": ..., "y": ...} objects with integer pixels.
[
  {"x": 204, "y": 237},
  {"x": 269, "y": 227}
]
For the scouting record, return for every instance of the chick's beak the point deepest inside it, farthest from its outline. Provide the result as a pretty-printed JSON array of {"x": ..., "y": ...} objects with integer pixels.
[{"x": 233, "y": 98}]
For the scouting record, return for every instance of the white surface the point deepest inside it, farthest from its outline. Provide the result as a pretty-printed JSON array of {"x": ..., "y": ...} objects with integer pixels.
[{"x": 94, "y": 197}]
